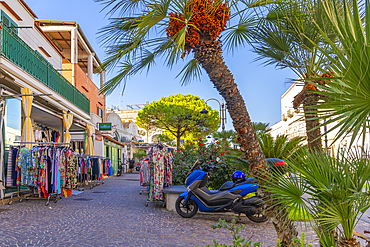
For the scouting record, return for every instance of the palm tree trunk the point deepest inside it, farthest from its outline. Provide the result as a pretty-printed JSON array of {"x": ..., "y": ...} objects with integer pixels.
[
  {"x": 310, "y": 113},
  {"x": 208, "y": 54}
]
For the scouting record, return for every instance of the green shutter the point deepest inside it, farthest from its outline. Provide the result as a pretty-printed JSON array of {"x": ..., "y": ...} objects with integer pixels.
[{"x": 8, "y": 22}]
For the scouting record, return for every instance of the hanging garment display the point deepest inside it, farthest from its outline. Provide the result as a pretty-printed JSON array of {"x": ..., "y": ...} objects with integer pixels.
[
  {"x": 49, "y": 169},
  {"x": 160, "y": 161},
  {"x": 144, "y": 172}
]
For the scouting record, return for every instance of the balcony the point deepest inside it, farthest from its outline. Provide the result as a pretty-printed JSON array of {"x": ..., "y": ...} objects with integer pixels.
[{"x": 17, "y": 51}]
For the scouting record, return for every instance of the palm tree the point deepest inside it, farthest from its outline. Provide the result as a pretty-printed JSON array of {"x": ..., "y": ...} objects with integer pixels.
[
  {"x": 331, "y": 190},
  {"x": 284, "y": 40},
  {"x": 347, "y": 94},
  {"x": 281, "y": 147},
  {"x": 260, "y": 127},
  {"x": 226, "y": 136},
  {"x": 146, "y": 31}
]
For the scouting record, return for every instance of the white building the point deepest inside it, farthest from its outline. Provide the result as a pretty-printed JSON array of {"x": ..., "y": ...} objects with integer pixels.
[
  {"x": 128, "y": 116},
  {"x": 293, "y": 125}
]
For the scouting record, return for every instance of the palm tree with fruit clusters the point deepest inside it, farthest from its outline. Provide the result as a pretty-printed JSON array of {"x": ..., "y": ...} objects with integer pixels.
[{"x": 173, "y": 31}]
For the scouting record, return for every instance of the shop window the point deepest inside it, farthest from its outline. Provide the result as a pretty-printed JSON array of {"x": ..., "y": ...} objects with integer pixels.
[
  {"x": 13, "y": 121},
  {"x": 8, "y": 22},
  {"x": 100, "y": 112}
]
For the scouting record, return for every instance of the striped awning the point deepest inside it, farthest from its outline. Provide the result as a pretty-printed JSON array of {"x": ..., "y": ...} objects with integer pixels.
[
  {"x": 67, "y": 122},
  {"x": 27, "y": 132},
  {"x": 90, "y": 145}
]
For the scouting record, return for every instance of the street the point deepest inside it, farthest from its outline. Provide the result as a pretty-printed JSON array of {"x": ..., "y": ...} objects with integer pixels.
[{"x": 113, "y": 214}]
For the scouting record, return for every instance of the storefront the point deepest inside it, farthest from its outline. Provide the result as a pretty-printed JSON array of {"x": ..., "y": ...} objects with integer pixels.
[
  {"x": 113, "y": 149},
  {"x": 30, "y": 121}
]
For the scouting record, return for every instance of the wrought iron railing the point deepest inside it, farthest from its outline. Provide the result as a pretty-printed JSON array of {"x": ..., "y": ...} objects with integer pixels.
[{"x": 16, "y": 50}]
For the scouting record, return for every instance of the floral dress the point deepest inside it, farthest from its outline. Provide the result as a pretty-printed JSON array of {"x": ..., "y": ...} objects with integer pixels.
[
  {"x": 71, "y": 172},
  {"x": 157, "y": 173},
  {"x": 23, "y": 165}
]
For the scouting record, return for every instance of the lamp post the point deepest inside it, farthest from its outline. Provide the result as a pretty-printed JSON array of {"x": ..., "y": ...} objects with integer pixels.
[{"x": 222, "y": 111}]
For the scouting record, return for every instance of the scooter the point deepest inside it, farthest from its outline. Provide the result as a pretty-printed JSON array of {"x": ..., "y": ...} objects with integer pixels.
[
  {"x": 120, "y": 170},
  {"x": 231, "y": 197}
]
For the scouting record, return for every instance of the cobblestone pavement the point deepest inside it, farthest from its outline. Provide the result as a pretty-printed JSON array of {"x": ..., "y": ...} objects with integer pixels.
[{"x": 113, "y": 214}]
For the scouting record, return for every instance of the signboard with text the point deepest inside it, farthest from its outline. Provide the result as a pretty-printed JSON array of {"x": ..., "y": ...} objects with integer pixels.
[{"x": 105, "y": 126}]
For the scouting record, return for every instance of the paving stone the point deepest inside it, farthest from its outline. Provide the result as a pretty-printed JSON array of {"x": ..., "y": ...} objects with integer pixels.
[{"x": 119, "y": 218}]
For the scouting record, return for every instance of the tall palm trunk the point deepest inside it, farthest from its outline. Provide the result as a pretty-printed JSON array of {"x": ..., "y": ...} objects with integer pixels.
[
  {"x": 313, "y": 133},
  {"x": 309, "y": 101},
  {"x": 208, "y": 54}
]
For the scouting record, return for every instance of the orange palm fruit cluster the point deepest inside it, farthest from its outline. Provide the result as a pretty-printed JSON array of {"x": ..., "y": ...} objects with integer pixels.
[
  {"x": 310, "y": 86},
  {"x": 209, "y": 16},
  {"x": 326, "y": 75}
]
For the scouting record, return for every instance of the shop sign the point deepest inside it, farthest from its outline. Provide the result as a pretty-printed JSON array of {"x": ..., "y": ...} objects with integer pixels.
[{"x": 105, "y": 126}]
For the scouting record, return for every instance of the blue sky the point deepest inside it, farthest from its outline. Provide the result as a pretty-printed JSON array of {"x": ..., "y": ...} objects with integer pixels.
[{"x": 261, "y": 87}]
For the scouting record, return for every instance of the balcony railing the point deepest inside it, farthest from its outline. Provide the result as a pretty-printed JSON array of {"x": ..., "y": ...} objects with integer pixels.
[{"x": 17, "y": 51}]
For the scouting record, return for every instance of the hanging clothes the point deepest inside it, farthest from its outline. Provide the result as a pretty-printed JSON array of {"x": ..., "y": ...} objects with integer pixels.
[
  {"x": 144, "y": 172},
  {"x": 49, "y": 169},
  {"x": 160, "y": 159}
]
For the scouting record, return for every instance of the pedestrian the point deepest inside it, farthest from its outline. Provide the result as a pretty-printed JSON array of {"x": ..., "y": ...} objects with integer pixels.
[{"x": 131, "y": 165}]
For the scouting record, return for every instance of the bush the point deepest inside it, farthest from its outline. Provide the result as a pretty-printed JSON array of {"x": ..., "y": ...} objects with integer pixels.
[{"x": 185, "y": 158}]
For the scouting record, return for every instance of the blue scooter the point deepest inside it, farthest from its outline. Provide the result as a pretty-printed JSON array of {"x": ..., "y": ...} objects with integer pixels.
[{"x": 229, "y": 198}]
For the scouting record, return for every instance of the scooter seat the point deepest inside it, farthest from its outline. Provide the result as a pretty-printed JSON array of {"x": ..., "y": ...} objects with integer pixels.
[
  {"x": 230, "y": 184},
  {"x": 210, "y": 192}
]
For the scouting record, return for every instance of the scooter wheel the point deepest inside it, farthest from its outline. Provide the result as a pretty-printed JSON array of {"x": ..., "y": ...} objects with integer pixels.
[
  {"x": 186, "y": 211},
  {"x": 258, "y": 218}
]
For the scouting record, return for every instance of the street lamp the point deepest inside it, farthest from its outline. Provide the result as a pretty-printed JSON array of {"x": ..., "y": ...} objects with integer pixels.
[{"x": 222, "y": 112}]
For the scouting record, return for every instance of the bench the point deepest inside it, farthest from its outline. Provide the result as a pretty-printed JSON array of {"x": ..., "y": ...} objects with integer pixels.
[{"x": 171, "y": 194}]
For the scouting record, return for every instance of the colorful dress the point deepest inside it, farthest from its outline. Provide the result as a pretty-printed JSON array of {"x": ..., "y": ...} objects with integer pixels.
[{"x": 160, "y": 160}]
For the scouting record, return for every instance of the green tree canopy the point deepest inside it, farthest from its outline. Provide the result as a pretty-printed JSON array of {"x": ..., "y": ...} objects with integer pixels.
[{"x": 180, "y": 116}]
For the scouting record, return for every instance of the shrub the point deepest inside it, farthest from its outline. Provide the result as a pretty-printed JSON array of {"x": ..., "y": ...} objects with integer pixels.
[{"x": 185, "y": 158}]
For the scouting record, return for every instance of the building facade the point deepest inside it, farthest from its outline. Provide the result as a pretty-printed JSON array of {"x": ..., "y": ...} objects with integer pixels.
[
  {"x": 79, "y": 64},
  {"x": 128, "y": 116},
  {"x": 31, "y": 72},
  {"x": 293, "y": 125}
]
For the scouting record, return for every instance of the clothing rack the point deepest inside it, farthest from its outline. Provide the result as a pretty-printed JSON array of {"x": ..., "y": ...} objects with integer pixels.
[
  {"x": 32, "y": 188},
  {"x": 94, "y": 183},
  {"x": 164, "y": 178},
  {"x": 43, "y": 143}
]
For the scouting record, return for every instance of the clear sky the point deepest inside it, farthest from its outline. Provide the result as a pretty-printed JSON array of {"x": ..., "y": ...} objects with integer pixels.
[{"x": 261, "y": 87}]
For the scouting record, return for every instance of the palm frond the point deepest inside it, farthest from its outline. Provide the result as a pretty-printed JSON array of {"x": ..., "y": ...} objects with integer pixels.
[
  {"x": 240, "y": 34},
  {"x": 348, "y": 95},
  {"x": 191, "y": 71}
]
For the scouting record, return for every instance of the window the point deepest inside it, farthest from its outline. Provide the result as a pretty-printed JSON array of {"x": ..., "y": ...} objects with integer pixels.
[
  {"x": 100, "y": 112},
  {"x": 9, "y": 22}
]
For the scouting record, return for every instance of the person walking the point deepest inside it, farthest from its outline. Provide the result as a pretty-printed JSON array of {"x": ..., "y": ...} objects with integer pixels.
[{"x": 131, "y": 165}]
